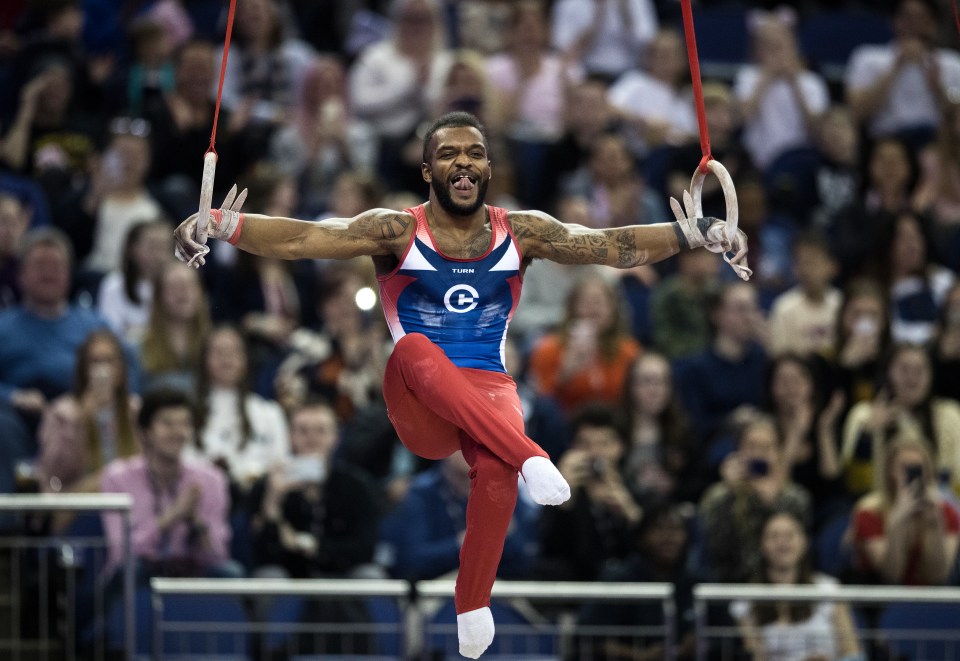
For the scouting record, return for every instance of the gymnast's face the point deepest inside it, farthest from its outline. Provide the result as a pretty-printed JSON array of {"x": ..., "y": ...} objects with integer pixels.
[{"x": 459, "y": 170}]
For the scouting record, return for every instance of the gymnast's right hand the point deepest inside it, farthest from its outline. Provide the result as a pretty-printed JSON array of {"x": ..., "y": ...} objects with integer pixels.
[{"x": 224, "y": 223}]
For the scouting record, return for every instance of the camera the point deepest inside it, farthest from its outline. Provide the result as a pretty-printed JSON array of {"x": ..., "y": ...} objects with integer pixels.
[
  {"x": 758, "y": 468},
  {"x": 914, "y": 476},
  {"x": 598, "y": 468}
]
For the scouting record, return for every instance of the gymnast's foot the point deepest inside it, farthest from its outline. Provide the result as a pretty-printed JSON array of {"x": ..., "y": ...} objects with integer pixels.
[
  {"x": 544, "y": 481},
  {"x": 475, "y": 631}
]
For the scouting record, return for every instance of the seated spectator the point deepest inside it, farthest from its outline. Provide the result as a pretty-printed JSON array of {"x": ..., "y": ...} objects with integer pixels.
[
  {"x": 655, "y": 100},
  {"x": 808, "y": 427},
  {"x": 179, "y": 323},
  {"x": 899, "y": 87},
  {"x": 729, "y": 372},
  {"x": 906, "y": 265},
  {"x": 594, "y": 528},
  {"x": 179, "y": 516},
  {"x": 126, "y": 293},
  {"x": 586, "y": 360},
  {"x": 803, "y": 319},
  {"x": 659, "y": 554},
  {"x": 662, "y": 461},
  {"x": 681, "y": 324},
  {"x": 314, "y": 517},
  {"x": 96, "y": 421},
  {"x": 604, "y": 36},
  {"x": 938, "y": 191},
  {"x": 241, "y": 432},
  {"x": 904, "y": 531},
  {"x": 44, "y": 331},
  {"x": 424, "y": 533},
  {"x": 946, "y": 347},
  {"x": 862, "y": 338},
  {"x": 781, "y": 98},
  {"x": 754, "y": 483},
  {"x": 783, "y": 630},
  {"x": 15, "y": 217},
  {"x": 906, "y": 405},
  {"x": 838, "y": 172}
]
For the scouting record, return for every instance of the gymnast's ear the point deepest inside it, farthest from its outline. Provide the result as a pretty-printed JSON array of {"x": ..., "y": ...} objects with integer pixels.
[{"x": 427, "y": 172}]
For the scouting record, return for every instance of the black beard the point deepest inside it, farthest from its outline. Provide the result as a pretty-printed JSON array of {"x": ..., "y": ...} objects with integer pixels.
[{"x": 447, "y": 203}]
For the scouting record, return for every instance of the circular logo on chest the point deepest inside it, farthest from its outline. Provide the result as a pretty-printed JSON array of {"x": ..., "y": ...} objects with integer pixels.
[{"x": 461, "y": 298}]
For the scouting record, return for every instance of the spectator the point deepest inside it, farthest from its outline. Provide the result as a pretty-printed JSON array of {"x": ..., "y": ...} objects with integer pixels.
[
  {"x": 862, "y": 339},
  {"x": 915, "y": 283},
  {"x": 15, "y": 217},
  {"x": 394, "y": 81},
  {"x": 586, "y": 360},
  {"x": 793, "y": 631},
  {"x": 321, "y": 138},
  {"x": 782, "y": 100},
  {"x": 595, "y": 527},
  {"x": 662, "y": 460},
  {"x": 729, "y": 372},
  {"x": 179, "y": 516},
  {"x": 43, "y": 333},
  {"x": 603, "y": 35},
  {"x": 938, "y": 192},
  {"x": 314, "y": 517},
  {"x": 659, "y": 554},
  {"x": 150, "y": 75},
  {"x": 837, "y": 176},
  {"x": 946, "y": 348},
  {"x": 531, "y": 82},
  {"x": 126, "y": 293},
  {"x": 613, "y": 184},
  {"x": 178, "y": 326},
  {"x": 543, "y": 419},
  {"x": 755, "y": 482},
  {"x": 808, "y": 427},
  {"x": 427, "y": 528},
  {"x": 901, "y": 87},
  {"x": 904, "y": 531},
  {"x": 83, "y": 431},
  {"x": 803, "y": 319},
  {"x": 905, "y": 405},
  {"x": 237, "y": 430},
  {"x": 655, "y": 100},
  {"x": 681, "y": 325}
]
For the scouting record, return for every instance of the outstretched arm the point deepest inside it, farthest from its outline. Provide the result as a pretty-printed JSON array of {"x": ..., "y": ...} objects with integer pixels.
[
  {"x": 544, "y": 237},
  {"x": 374, "y": 232}
]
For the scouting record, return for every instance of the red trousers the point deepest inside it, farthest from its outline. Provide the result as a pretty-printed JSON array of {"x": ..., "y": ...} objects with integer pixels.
[{"x": 438, "y": 408}]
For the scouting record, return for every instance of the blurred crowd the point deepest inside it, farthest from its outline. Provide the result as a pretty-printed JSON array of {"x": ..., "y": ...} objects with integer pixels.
[{"x": 803, "y": 424}]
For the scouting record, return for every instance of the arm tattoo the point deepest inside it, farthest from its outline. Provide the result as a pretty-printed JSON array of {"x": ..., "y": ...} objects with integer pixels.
[
  {"x": 392, "y": 226},
  {"x": 627, "y": 250},
  {"x": 565, "y": 244}
]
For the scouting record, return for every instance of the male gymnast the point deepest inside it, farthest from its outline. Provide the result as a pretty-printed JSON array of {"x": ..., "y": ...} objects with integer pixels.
[{"x": 450, "y": 272}]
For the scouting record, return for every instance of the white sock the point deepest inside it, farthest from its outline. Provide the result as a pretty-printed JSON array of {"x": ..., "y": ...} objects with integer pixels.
[
  {"x": 546, "y": 484},
  {"x": 475, "y": 631}
]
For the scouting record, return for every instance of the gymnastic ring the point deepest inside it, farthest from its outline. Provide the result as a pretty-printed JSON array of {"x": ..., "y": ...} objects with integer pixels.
[{"x": 730, "y": 198}]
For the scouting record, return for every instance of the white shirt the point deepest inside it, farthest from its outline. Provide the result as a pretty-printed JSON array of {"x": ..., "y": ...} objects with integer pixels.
[
  {"x": 614, "y": 48},
  {"x": 798, "y": 641},
  {"x": 918, "y": 331},
  {"x": 126, "y": 319},
  {"x": 269, "y": 442},
  {"x": 802, "y": 326},
  {"x": 115, "y": 217},
  {"x": 542, "y": 100},
  {"x": 779, "y": 124},
  {"x": 910, "y": 101},
  {"x": 639, "y": 95}
]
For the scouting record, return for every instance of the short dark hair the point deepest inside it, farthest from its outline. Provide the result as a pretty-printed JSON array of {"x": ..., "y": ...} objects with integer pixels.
[
  {"x": 159, "y": 399},
  {"x": 598, "y": 415},
  {"x": 458, "y": 119}
]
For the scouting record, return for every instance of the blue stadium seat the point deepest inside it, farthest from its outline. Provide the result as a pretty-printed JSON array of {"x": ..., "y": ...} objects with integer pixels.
[
  {"x": 922, "y": 632},
  {"x": 827, "y": 38},
  {"x": 204, "y": 626},
  {"x": 831, "y": 554}
]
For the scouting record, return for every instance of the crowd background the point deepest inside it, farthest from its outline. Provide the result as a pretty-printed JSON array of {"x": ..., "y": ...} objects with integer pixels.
[{"x": 700, "y": 420}]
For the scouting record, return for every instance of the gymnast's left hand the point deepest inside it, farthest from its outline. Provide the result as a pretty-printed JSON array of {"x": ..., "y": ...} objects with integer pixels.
[{"x": 187, "y": 248}]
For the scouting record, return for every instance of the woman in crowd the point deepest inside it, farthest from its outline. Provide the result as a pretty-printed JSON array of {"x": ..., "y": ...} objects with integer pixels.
[
  {"x": 83, "y": 431},
  {"x": 946, "y": 346},
  {"x": 179, "y": 323},
  {"x": 661, "y": 459},
  {"x": 793, "y": 631},
  {"x": 905, "y": 532},
  {"x": 588, "y": 357},
  {"x": 755, "y": 482},
  {"x": 906, "y": 404},
  {"x": 240, "y": 431},
  {"x": 126, "y": 295}
]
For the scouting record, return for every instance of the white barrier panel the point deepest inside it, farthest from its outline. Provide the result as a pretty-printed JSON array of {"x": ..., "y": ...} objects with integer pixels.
[{"x": 53, "y": 601}]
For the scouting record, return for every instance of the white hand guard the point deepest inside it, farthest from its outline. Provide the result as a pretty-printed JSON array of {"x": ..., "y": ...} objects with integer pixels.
[{"x": 710, "y": 233}]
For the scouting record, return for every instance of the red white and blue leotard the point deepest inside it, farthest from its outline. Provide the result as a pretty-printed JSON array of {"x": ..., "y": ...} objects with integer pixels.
[{"x": 464, "y": 306}]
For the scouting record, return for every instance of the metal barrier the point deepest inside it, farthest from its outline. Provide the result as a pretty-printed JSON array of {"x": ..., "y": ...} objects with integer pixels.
[
  {"x": 54, "y": 606},
  {"x": 912, "y": 623},
  {"x": 254, "y": 618}
]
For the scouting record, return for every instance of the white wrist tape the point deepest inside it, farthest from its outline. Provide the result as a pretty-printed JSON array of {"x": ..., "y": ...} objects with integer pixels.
[{"x": 225, "y": 225}]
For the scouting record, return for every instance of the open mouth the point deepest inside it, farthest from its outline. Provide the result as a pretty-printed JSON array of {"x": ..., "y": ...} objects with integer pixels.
[{"x": 464, "y": 183}]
